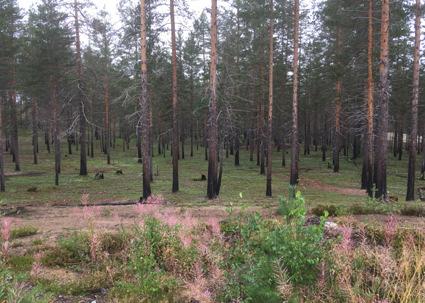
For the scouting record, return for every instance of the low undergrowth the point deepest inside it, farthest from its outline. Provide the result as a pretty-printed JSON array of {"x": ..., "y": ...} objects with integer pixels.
[{"x": 170, "y": 257}]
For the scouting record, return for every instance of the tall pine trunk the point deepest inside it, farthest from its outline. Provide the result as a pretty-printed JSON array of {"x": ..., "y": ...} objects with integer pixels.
[
  {"x": 369, "y": 146},
  {"x": 382, "y": 142},
  {"x": 338, "y": 105},
  {"x": 106, "y": 126},
  {"x": 56, "y": 130},
  {"x": 34, "y": 130},
  {"x": 270, "y": 113},
  {"x": 213, "y": 182},
  {"x": 295, "y": 144},
  {"x": 175, "y": 143},
  {"x": 80, "y": 95},
  {"x": 410, "y": 195},
  {"x": 144, "y": 104}
]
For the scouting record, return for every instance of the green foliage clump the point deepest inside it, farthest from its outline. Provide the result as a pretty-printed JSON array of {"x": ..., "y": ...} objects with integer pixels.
[
  {"x": 157, "y": 260},
  {"x": 71, "y": 250},
  {"x": 260, "y": 248}
]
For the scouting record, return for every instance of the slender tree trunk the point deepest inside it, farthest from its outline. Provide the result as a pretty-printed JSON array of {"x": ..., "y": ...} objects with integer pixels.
[
  {"x": 175, "y": 143},
  {"x": 2, "y": 178},
  {"x": 106, "y": 132},
  {"x": 213, "y": 184},
  {"x": 80, "y": 97},
  {"x": 144, "y": 103},
  {"x": 139, "y": 144},
  {"x": 369, "y": 146},
  {"x": 338, "y": 106},
  {"x": 295, "y": 144},
  {"x": 56, "y": 130},
  {"x": 237, "y": 148},
  {"x": 192, "y": 100},
  {"x": 270, "y": 114},
  {"x": 410, "y": 195},
  {"x": 34, "y": 130},
  {"x": 400, "y": 141},
  {"x": 14, "y": 125},
  {"x": 382, "y": 142}
]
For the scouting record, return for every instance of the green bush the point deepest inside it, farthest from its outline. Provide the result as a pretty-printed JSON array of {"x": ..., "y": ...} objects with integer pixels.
[
  {"x": 157, "y": 261},
  {"x": 258, "y": 245},
  {"x": 71, "y": 250}
]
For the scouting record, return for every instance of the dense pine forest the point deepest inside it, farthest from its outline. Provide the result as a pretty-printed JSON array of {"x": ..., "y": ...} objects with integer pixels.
[{"x": 257, "y": 151}]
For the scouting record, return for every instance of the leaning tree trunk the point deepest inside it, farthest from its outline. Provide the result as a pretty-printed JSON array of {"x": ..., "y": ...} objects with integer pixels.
[
  {"x": 369, "y": 146},
  {"x": 175, "y": 143},
  {"x": 294, "y": 144},
  {"x": 270, "y": 114},
  {"x": 213, "y": 182},
  {"x": 410, "y": 195},
  {"x": 382, "y": 142}
]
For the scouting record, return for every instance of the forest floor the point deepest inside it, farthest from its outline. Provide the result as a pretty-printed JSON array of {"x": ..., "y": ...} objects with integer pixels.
[{"x": 33, "y": 192}]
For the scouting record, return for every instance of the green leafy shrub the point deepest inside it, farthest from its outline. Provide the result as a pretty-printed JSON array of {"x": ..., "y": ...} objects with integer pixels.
[
  {"x": 71, "y": 250},
  {"x": 257, "y": 245},
  {"x": 293, "y": 208}
]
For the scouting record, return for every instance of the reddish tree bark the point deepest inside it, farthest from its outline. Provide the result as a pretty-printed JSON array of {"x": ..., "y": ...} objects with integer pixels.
[
  {"x": 410, "y": 195},
  {"x": 382, "y": 142}
]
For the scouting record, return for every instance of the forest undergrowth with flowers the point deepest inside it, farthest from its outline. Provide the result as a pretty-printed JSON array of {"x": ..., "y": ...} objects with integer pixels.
[{"x": 169, "y": 256}]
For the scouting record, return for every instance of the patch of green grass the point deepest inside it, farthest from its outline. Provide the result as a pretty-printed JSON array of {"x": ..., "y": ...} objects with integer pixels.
[
  {"x": 20, "y": 263},
  {"x": 23, "y": 231}
]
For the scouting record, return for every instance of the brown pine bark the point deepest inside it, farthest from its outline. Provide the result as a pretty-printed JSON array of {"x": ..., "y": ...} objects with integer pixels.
[
  {"x": 294, "y": 144},
  {"x": 144, "y": 105},
  {"x": 270, "y": 113},
  {"x": 410, "y": 195},
  {"x": 175, "y": 143},
  {"x": 80, "y": 97},
  {"x": 213, "y": 182},
  {"x": 2, "y": 178},
  {"x": 338, "y": 106},
  {"x": 382, "y": 142},
  {"x": 369, "y": 147}
]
